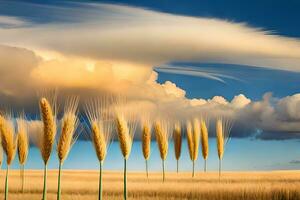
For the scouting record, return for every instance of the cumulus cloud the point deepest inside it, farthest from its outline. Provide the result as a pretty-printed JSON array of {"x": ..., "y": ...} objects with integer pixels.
[{"x": 92, "y": 49}]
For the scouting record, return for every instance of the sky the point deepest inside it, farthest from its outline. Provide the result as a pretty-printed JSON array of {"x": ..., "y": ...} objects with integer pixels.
[{"x": 238, "y": 60}]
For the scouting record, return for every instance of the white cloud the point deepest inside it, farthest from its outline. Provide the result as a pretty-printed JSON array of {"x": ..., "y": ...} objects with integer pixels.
[
  {"x": 114, "y": 49},
  {"x": 111, "y": 32}
]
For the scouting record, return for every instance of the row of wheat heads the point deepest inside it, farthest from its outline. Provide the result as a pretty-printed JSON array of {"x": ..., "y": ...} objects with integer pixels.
[
  {"x": 196, "y": 132},
  {"x": 104, "y": 116}
]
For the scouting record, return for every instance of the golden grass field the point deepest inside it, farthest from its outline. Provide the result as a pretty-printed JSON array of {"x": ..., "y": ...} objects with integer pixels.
[{"x": 83, "y": 185}]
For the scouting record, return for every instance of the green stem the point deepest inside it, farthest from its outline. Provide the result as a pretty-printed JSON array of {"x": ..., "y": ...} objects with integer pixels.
[
  {"x": 100, "y": 183},
  {"x": 6, "y": 183},
  {"x": 193, "y": 173},
  {"x": 22, "y": 173},
  {"x": 177, "y": 166},
  {"x": 163, "y": 168},
  {"x": 59, "y": 177},
  {"x": 125, "y": 180},
  {"x": 220, "y": 168},
  {"x": 205, "y": 165},
  {"x": 147, "y": 173},
  {"x": 45, "y": 183}
]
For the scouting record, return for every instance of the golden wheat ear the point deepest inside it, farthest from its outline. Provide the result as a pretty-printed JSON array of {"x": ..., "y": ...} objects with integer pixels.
[
  {"x": 189, "y": 137},
  {"x": 177, "y": 135},
  {"x": 8, "y": 140},
  {"x": 49, "y": 128},
  {"x": 125, "y": 139},
  {"x": 204, "y": 141},
  {"x": 146, "y": 140},
  {"x": 22, "y": 139},
  {"x": 68, "y": 128}
]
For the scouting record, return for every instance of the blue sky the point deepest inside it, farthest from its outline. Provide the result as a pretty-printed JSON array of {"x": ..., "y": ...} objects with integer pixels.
[{"x": 249, "y": 153}]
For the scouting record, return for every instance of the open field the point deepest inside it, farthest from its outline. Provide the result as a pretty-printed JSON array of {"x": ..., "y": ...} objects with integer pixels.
[{"x": 79, "y": 185}]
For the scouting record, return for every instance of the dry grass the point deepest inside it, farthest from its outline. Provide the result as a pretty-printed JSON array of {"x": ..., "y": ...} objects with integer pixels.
[{"x": 83, "y": 185}]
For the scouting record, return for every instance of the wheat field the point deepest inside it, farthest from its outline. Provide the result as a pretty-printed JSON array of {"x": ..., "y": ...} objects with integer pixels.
[{"x": 79, "y": 185}]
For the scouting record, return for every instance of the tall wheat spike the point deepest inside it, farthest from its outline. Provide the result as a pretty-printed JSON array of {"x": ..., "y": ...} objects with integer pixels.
[
  {"x": 67, "y": 139},
  {"x": 146, "y": 142},
  {"x": 223, "y": 128},
  {"x": 99, "y": 114},
  {"x": 204, "y": 142},
  {"x": 125, "y": 123},
  {"x": 8, "y": 143},
  {"x": 22, "y": 146},
  {"x": 49, "y": 127},
  {"x": 177, "y": 135},
  {"x": 162, "y": 139},
  {"x": 125, "y": 141}
]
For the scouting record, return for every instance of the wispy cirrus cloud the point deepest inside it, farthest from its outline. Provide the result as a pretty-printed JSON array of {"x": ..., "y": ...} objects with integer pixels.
[
  {"x": 198, "y": 72},
  {"x": 114, "y": 32}
]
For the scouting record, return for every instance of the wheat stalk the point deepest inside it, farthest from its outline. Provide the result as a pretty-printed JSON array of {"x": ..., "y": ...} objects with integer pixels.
[
  {"x": 67, "y": 139},
  {"x": 8, "y": 144},
  {"x": 220, "y": 142},
  {"x": 125, "y": 141},
  {"x": 162, "y": 139},
  {"x": 223, "y": 128},
  {"x": 22, "y": 146},
  {"x": 49, "y": 128},
  {"x": 177, "y": 142},
  {"x": 204, "y": 142},
  {"x": 98, "y": 113},
  {"x": 125, "y": 122},
  {"x": 196, "y": 141}
]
